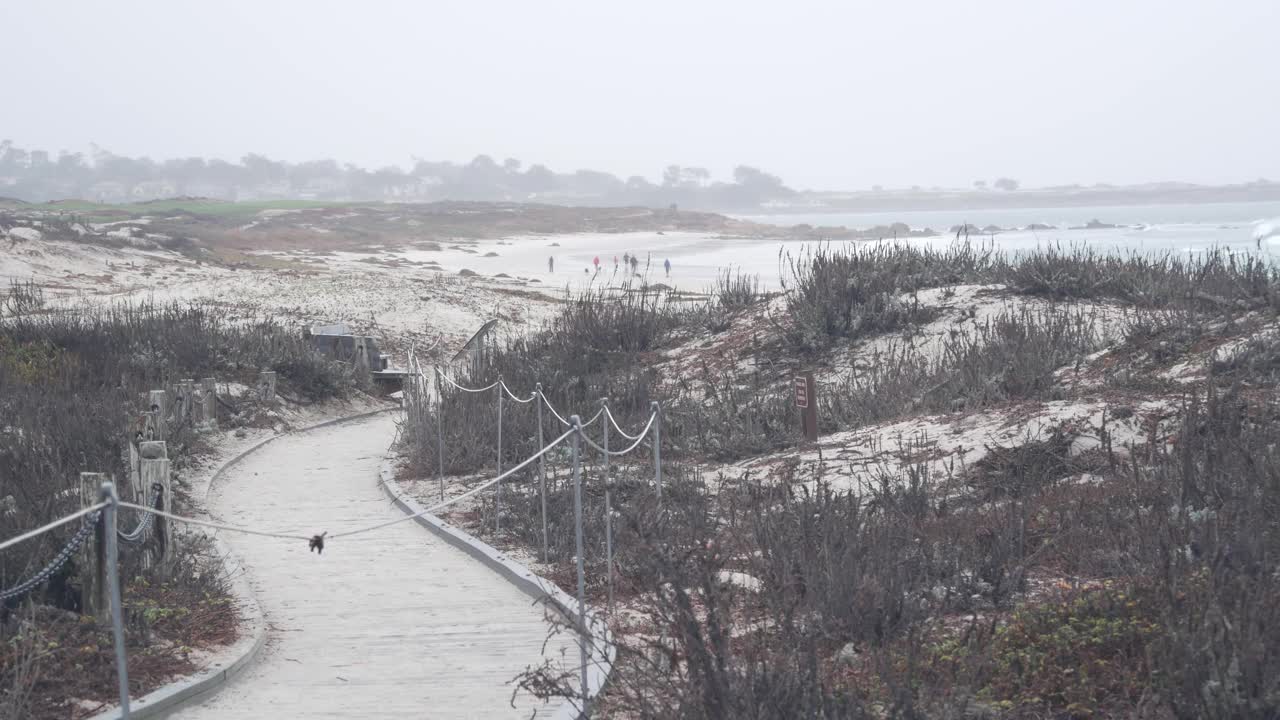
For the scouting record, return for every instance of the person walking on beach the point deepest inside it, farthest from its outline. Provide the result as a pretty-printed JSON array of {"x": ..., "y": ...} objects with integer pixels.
[
  {"x": 626, "y": 258},
  {"x": 667, "y": 264},
  {"x": 596, "y": 262},
  {"x": 615, "y": 263},
  {"x": 551, "y": 264}
]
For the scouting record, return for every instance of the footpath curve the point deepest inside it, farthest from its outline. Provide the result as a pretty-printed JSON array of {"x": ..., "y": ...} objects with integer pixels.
[
  {"x": 395, "y": 623},
  {"x": 225, "y": 663}
]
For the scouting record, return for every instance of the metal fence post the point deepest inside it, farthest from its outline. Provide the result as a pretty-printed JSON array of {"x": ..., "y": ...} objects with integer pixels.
[
  {"x": 108, "y": 495},
  {"x": 497, "y": 499},
  {"x": 542, "y": 478},
  {"x": 440, "y": 428},
  {"x": 608, "y": 508},
  {"x": 657, "y": 446},
  {"x": 576, "y": 422}
]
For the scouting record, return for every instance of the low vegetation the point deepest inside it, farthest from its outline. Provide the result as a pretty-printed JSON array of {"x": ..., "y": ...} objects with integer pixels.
[
  {"x": 1068, "y": 575},
  {"x": 72, "y": 387}
]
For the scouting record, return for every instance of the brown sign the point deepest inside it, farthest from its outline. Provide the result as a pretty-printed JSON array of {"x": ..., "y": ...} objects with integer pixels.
[
  {"x": 802, "y": 392},
  {"x": 807, "y": 401}
]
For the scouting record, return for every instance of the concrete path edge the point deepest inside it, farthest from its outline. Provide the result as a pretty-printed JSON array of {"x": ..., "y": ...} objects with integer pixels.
[
  {"x": 604, "y": 653},
  {"x": 229, "y": 662}
]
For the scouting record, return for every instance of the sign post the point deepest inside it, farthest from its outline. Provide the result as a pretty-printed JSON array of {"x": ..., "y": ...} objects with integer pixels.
[{"x": 807, "y": 401}]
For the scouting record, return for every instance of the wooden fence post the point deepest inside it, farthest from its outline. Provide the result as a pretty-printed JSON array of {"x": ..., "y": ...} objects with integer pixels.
[
  {"x": 155, "y": 470},
  {"x": 188, "y": 391},
  {"x": 135, "y": 481},
  {"x": 362, "y": 358},
  {"x": 267, "y": 386},
  {"x": 93, "y": 579},
  {"x": 158, "y": 403},
  {"x": 209, "y": 386}
]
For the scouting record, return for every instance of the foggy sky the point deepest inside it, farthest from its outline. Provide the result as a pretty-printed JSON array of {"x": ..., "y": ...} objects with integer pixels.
[{"x": 829, "y": 95}]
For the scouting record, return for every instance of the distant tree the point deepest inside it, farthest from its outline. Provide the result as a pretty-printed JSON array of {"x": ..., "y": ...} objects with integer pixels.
[
  {"x": 221, "y": 171},
  {"x": 123, "y": 169},
  {"x": 8, "y": 156},
  {"x": 1006, "y": 184},
  {"x": 980, "y": 184},
  {"x": 638, "y": 183},
  {"x": 511, "y": 165},
  {"x": 694, "y": 177},
  {"x": 671, "y": 176},
  {"x": 753, "y": 186},
  {"x": 260, "y": 168},
  {"x": 539, "y": 179},
  {"x": 445, "y": 172},
  {"x": 594, "y": 182}
]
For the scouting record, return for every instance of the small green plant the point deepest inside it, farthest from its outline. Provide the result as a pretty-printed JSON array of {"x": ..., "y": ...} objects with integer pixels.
[{"x": 1074, "y": 655}]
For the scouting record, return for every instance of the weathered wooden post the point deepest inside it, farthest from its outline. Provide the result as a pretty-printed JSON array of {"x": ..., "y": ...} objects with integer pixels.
[
  {"x": 151, "y": 421},
  {"x": 186, "y": 401},
  {"x": 92, "y": 560},
  {"x": 135, "y": 481},
  {"x": 154, "y": 470},
  {"x": 209, "y": 388},
  {"x": 807, "y": 401},
  {"x": 362, "y": 358},
  {"x": 267, "y": 386},
  {"x": 158, "y": 403}
]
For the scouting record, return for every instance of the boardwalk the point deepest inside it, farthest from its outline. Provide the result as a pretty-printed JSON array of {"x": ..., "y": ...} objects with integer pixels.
[{"x": 389, "y": 624}]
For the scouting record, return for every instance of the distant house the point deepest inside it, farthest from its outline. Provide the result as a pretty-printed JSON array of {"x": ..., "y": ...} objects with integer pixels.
[
  {"x": 323, "y": 188},
  {"x": 217, "y": 191},
  {"x": 153, "y": 190},
  {"x": 108, "y": 191}
]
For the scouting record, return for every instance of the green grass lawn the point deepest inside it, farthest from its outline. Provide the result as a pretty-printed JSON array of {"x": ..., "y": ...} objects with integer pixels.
[{"x": 215, "y": 208}]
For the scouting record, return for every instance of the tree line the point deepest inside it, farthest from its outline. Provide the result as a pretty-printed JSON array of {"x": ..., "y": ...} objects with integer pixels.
[{"x": 103, "y": 176}]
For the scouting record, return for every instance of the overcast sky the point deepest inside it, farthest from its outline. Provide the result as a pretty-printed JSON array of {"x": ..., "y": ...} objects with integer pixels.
[{"x": 829, "y": 95}]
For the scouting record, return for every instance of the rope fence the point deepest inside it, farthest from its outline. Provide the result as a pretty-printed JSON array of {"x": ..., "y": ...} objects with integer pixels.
[{"x": 103, "y": 515}]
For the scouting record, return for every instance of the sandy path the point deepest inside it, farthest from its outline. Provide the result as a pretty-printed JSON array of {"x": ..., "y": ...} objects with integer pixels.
[{"x": 390, "y": 624}]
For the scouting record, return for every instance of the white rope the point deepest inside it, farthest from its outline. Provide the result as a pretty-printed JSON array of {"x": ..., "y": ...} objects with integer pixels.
[
  {"x": 466, "y": 389},
  {"x": 594, "y": 418},
  {"x": 559, "y": 417},
  {"x": 532, "y": 396},
  {"x": 463, "y": 496},
  {"x": 623, "y": 433},
  {"x": 46, "y": 528},
  {"x": 633, "y": 445},
  {"x": 566, "y": 423},
  {"x": 214, "y": 525}
]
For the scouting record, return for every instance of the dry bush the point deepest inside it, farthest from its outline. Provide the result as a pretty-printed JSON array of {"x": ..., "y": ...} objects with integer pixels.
[
  {"x": 735, "y": 290},
  {"x": 72, "y": 388},
  {"x": 1010, "y": 357},
  {"x": 23, "y": 298}
]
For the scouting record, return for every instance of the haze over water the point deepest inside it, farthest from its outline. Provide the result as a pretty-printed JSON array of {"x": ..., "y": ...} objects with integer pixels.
[{"x": 698, "y": 258}]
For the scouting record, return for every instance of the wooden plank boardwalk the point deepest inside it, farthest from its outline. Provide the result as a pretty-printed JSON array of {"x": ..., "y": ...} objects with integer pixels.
[{"x": 393, "y": 623}]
